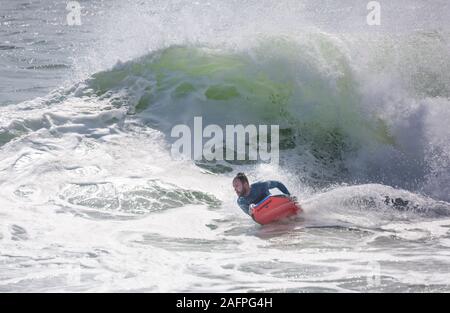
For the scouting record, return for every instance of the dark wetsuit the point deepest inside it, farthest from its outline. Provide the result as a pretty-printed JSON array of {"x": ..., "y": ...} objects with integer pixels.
[{"x": 259, "y": 191}]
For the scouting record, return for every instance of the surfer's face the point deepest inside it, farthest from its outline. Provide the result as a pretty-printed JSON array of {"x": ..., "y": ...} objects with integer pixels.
[{"x": 240, "y": 188}]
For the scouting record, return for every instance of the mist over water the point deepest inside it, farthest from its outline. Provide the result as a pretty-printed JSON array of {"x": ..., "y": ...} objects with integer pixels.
[{"x": 91, "y": 199}]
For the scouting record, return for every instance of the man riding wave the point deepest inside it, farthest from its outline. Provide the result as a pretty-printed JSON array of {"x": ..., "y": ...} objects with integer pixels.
[{"x": 250, "y": 195}]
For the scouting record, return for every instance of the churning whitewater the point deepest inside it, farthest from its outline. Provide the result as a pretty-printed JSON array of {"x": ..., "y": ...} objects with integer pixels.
[{"x": 91, "y": 199}]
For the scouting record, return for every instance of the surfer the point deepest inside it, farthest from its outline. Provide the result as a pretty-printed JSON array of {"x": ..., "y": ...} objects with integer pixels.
[{"x": 249, "y": 195}]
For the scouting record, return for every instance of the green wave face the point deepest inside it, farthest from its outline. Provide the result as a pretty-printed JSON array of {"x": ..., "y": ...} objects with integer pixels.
[{"x": 308, "y": 89}]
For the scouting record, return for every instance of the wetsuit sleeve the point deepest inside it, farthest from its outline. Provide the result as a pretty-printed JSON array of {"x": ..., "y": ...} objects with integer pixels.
[
  {"x": 276, "y": 184},
  {"x": 243, "y": 205}
]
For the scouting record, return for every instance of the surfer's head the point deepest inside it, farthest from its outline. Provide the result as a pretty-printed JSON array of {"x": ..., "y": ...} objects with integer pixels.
[{"x": 241, "y": 185}]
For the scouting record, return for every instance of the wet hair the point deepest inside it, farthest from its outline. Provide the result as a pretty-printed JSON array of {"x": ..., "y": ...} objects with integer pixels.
[{"x": 241, "y": 177}]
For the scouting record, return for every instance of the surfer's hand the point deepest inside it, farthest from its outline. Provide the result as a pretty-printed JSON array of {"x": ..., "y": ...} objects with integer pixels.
[{"x": 251, "y": 208}]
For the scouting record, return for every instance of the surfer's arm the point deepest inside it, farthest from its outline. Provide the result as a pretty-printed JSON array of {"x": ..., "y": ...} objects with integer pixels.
[
  {"x": 243, "y": 205},
  {"x": 276, "y": 184}
]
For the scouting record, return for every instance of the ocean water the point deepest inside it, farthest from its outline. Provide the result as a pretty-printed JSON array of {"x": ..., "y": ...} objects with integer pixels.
[{"x": 92, "y": 201}]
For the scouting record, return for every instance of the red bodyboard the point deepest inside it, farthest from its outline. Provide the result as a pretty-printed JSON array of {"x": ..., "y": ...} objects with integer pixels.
[{"x": 274, "y": 208}]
